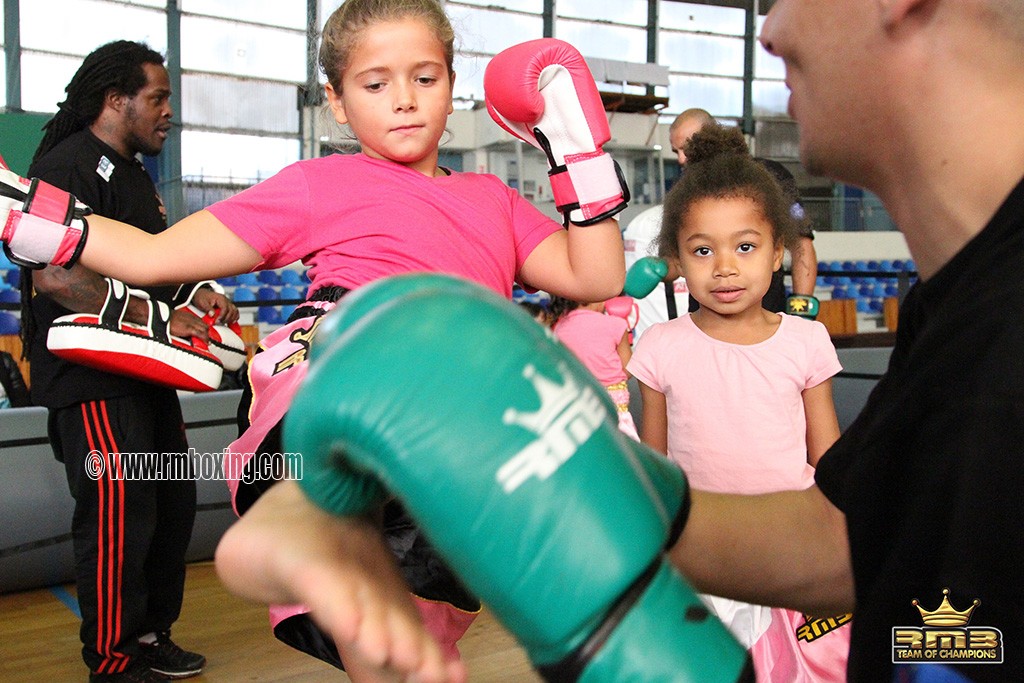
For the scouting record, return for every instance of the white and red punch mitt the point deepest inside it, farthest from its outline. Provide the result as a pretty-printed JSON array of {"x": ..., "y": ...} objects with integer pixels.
[
  {"x": 225, "y": 340},
  {"x": 106, "y": 341}
]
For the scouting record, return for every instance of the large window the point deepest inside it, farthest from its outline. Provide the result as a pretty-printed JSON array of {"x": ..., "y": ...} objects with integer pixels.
[
  {"x": 244, "y": 63},
  {"x": 481, "y": 32},
  {"x": 770, "y": 93},
  {"x": 611, "y": 29},
  {"x": 703, "y": 47}
]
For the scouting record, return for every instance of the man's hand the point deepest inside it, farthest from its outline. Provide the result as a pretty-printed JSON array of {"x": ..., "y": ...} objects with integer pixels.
[{"x": 207, "y": 300}]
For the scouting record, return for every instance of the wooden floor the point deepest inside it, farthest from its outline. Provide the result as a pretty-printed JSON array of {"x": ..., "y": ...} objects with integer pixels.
[{"x": 39, "y": 640}]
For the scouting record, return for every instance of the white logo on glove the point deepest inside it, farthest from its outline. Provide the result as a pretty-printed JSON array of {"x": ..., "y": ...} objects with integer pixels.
[{"x": 568, "y": 416}]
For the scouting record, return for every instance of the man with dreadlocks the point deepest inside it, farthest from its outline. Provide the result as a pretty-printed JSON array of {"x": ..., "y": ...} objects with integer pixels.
[{"x": 130, "y": 537}]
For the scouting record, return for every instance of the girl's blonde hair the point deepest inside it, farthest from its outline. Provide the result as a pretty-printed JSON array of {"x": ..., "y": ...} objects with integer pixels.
[
  {"x": 719, "y": 166},
  {"x": 345, "y": 25}
]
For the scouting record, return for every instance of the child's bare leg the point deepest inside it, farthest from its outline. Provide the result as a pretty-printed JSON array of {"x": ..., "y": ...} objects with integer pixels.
[{"x": 285, "y": 550}]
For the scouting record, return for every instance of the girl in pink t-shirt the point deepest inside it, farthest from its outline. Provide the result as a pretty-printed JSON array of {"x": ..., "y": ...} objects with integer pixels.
[
  {"x": 601, "y": 342},
  {"x": 738, "y": 396},
  {"x": 352, "y": 219}
]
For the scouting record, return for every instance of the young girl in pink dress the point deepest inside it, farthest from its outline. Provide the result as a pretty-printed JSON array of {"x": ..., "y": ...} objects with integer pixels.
[
  {"x": 738, "y": 396},
  {"x": 602, "y": 344}
]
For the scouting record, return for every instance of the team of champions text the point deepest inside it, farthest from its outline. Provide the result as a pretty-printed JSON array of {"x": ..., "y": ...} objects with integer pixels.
[{"x": 244, "y": 467}]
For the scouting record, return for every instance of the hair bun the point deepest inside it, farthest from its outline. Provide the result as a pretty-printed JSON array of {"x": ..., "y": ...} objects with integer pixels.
[{"x": 715, "y": 140}]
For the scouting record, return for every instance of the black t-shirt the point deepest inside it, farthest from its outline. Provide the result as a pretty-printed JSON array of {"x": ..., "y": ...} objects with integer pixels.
[
  {"x": 930, "y": 476},
  {"x": 113, "y": 187}
]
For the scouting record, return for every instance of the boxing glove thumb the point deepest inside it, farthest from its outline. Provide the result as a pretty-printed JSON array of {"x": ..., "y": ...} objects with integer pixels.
[{"x": 644, "y": 275}]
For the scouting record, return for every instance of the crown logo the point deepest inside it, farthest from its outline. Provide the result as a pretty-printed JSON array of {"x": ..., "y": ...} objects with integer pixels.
[
  {"x": 568, "y": 415},
  {"x": 554, "y": 398},
  {"x": 945, "y": 614}
]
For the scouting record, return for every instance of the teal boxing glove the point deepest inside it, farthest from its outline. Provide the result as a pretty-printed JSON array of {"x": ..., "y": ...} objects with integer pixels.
[
  {"x": 506, "y": 452},
  {"x": 365, "y": 300},
  {"x": 644, "y": 275},
  {"x": 803, "y": 305},
  {"x": 357, "y": 492}
]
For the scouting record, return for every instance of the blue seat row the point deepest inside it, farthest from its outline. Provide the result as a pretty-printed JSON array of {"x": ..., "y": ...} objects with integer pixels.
[
  {"x": 875, "y": 266},
  {"x": 271, "y": 278}
]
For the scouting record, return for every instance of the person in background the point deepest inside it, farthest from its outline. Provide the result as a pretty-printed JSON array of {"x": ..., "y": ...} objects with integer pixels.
[
  {"x": 666, "y": 302},
  {"x": 738, "y": 396},
  {"x": 602, "y": 344},
  {"x": 130, "y": 583},
  {"x": 13, "y": 392}
]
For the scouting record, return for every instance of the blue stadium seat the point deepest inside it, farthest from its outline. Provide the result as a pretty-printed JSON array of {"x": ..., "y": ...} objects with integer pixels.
[
  {"x": 291, "y": 277},
  {"x": 10, "y": 296},
  {"x": 248, "y": 279},
  {"x": 243, "y": 294},
  {"x": 13, "y": 277},
  {"x": 270, "y": 315},
  {"x": 229, "y": 281},
  {"x": 840, "y": 292},
  {"x": 289, "y": 292},
  {"x": 9, "y": 323},
  {"x": 266, "y": 293},
  {"x": 863, "y": 305},
  {"x": 305, "y": 277},
  {"x": 269, "y": 277}
]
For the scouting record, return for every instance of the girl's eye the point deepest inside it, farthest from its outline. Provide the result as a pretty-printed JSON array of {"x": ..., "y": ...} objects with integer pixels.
[
  {"x": 746, "y": 248},
  {"x": 426, "y": 80},
  {"x": 702, "y": 251},
  {"x": 374, "y": 87}
]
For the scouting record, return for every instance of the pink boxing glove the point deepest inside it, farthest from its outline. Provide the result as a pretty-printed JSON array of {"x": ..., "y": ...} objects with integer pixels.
[
  {"x": 40, "y": 223},
  {"x": 624, "y": 307},
  {"x": 542, "y": 92}
]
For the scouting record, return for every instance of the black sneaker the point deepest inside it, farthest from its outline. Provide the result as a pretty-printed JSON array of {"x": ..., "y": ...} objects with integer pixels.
[
  {"x": 169, "y": 660},
  {"x": 137, "y": 672}
]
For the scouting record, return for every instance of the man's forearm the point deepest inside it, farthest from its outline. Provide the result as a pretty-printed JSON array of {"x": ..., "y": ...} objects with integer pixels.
[
  {"x": 804, "y": 266},
  {"x": 785, "y": 549},
  {"x": 81, "y": 290}
]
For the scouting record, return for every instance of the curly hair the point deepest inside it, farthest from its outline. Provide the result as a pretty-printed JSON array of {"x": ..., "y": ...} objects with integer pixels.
[{"x": 719, "y": 166}]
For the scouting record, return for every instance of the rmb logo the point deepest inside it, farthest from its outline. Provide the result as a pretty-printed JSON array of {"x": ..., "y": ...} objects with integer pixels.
[
  {"x": 946, "y": 638},
  {"x": 568, "y": 415}
]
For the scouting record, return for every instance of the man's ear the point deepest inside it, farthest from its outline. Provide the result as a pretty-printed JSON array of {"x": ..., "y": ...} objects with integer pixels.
[
  {"x": 337, "y": 104},
  {"x": 114, "y": 100},
  {"x": 894, "y": 12},
  {"x": 780, "y": 251}
]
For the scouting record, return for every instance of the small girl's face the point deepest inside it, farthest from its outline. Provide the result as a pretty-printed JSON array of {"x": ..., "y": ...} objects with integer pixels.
[
  {"x": 727, "y": 254},
  {"x": 396, "y": 93}
]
